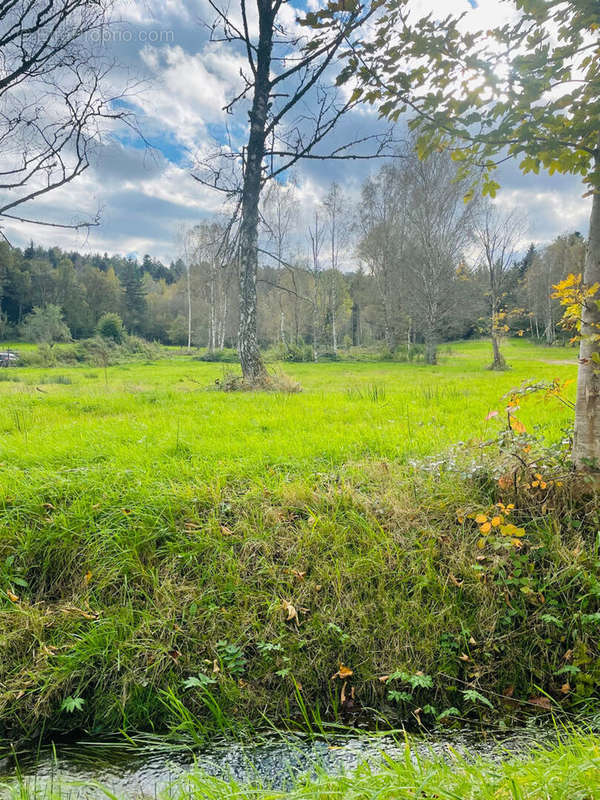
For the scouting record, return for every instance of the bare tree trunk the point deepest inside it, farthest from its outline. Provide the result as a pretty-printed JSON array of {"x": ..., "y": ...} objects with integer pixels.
[
  {"x": 586, "y": 450},
  {"x": 223, "y": 325},
  {"x": 189, "y": 305},
  {"x": 387, "y": 327},
  {"x": 498, "y": 362},
  {"x": 253, "y": 368},
  {"x": 430, "y": 345},
  {"x": 355, "y": 324},
  {"x": 549, "y": 332},
  {"x": 333, "y": 319},
  {"x": 315, "y": 327},
  {"x": 282, "y": 326},
  {"x": 211, "y": 313}
]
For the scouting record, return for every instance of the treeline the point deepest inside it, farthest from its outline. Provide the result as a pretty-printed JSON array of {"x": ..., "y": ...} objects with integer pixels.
[{"x": 409, "y": 264}]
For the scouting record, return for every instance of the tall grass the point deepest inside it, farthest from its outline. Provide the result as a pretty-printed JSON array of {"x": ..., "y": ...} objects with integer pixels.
[{"x": 145, "y": 520}]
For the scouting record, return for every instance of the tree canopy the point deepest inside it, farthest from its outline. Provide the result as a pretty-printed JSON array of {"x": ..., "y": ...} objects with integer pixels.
[{"x": 528, "y": 89}]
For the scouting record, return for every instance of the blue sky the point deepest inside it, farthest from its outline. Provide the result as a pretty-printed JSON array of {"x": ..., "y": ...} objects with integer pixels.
[{"x": 147, "y": 196}]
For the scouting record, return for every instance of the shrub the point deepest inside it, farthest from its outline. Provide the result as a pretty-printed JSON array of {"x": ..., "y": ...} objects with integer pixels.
[
  {"x": 293, "y": 353},
  {"x": 110, "y": 326},
  {"x": 46, "y": 325},
  {"x": 225, "y": 356}
]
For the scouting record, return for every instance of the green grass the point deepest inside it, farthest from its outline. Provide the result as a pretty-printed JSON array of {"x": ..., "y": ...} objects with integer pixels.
[
  {"x": 145, "y": 519},
  {"x": 159, "y": 418}
]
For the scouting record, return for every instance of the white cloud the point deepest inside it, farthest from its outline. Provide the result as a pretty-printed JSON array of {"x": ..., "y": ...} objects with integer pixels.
[{"x": 145, "y": 198}]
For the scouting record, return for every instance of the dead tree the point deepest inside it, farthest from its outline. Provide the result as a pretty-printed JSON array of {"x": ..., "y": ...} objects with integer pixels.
[
  {"x": 498, "y": 238},
  {"x": 316, "y": 238},
  {"x": 54, "y": 98},
  {"x": 292, "y": 110}
]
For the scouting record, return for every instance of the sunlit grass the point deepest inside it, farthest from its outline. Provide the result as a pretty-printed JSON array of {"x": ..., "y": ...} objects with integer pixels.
[
  {"x": 146, "y": 517},
  {"x": 160, "y": 420}
]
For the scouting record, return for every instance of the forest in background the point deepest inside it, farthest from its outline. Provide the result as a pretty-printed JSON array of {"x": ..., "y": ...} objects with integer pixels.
[{"x": 410, "y": 263}]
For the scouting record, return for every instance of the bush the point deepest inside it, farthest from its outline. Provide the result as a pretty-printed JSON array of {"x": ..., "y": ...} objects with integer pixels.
[
  {"x": 135, "y": 345},
  {"x": 110, "y": 326},
  {"x": 293, "y": 353},
  {"x": 225, "y": 356},
  {"x": 46, "y": 325}
]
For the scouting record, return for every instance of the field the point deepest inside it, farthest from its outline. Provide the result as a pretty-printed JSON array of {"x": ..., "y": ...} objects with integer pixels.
[
  {"x": 156, "y": 422},
  {"x": 176, "y": 557}
]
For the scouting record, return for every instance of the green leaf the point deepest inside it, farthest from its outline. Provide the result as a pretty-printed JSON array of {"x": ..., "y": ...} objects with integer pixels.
[{"x": 473, "y": 696}]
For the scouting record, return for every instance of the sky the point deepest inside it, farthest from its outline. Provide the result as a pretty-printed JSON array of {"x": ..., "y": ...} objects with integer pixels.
[{"x": 146, "y": 196}]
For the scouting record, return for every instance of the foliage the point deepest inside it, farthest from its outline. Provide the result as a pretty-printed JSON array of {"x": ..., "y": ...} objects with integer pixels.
[
  {"x": 110, "y": 326},
  {"x": 72, "y": 704},
  {"x": 46, "y": 325},
  {"x": 86, "y": 287},
  {"x": 528, "y": 88},
  {"x": 574, "y": 296}
]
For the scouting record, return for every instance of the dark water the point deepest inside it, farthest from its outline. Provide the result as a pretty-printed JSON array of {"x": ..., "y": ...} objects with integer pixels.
[{"x": 145, "y": 771}]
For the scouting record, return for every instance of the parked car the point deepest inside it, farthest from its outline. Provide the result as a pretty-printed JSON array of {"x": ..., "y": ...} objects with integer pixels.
[{"x": 8, "y": 358}]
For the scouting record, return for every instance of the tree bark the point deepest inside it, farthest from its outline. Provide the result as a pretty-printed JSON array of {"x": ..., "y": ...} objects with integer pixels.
[
  {"x": 355, "y": 324},
  {"x": 315, "y": 328},
  {"x": 334, "y": 340},
  {"x": 189, "y": 305},
  {"x": 498, "y": 362},
  {"x": 253, "y": 368},
  {"x": 586, "y": 450},
  {"x": 430, "y": 346}
]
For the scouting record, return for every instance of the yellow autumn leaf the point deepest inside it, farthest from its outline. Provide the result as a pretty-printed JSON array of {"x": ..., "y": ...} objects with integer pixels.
[
  {"x": 480, "y": 519},
  {"x": 497, "y": 521},
  {"x": 486, "y": 528},
  {"x": 342, "y": 673},
  {"x": 517, "y": 425},
  {"x": 11, "y": 596}
]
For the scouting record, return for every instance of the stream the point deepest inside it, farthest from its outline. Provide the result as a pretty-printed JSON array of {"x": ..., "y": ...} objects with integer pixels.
[{"x": 142, "y": 771}]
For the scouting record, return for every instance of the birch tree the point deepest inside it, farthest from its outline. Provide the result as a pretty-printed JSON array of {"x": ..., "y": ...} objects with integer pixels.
[
  {"x": 335, "y": 210},
  {"x": 384, "y": 242},
  {"x": 293, "y": 107},
  {"x": 498, "y": 237},
  {"x": 440, "y": 228},
  {"x": 316, "y": 237}
]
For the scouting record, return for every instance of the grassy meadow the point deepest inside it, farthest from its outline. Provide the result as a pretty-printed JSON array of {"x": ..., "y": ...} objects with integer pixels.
[
  {"x": 156, "y": 421},
  {"x": 178, "y": 558}
]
